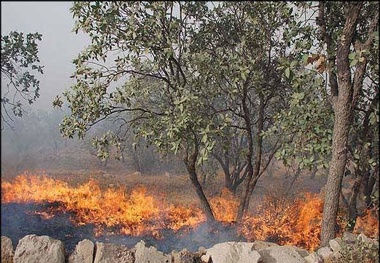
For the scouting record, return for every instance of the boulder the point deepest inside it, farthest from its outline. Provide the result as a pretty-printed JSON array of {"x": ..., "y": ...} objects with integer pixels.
[
  {"x": 227, "y": 252},
  {"x": 257, "y": 244},
  {"x": 348, "y": 237},
  {"x": 83, "y": 253},
  {"x": 6, "y": 250},
  {"x": 185, "y": 256},
  {"x": 313, "y": 258},
  {"x": 303, "y": 252},
  {"x": 33, "y": 249},
  {"x": 335, "y": 245},
  {"x": 145, "y": 254},
  {"x": 281, "y": 254},
  {"x": 325, "y": 253},
  {"x": 113, "y": 253},
  {"x": 366, "y": 239}
]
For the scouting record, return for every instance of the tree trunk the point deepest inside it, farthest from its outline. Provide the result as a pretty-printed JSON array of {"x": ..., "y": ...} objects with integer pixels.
[
  {"x": 352, "y": 211},
  {"x": 253, "y": 170},
  {"x": 293, "y": 181},
  {"x": 337, "y": 168},
  {"x": 343, "y": 103},
  {"x": 315, "y": 168},
  {"x": 190, "y": 162}
]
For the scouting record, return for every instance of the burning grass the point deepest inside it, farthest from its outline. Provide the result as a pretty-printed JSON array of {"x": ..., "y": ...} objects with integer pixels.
[
  {"x": 136, "y": 213},
  {"x": 287, "y": 221}
]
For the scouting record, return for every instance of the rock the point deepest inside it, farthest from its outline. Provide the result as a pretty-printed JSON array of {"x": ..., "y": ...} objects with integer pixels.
[
  {"x": 303, "y": 252},
  {"x": 83, "y": 253},
  {"x": 283, "y": 254},
  {"x": 136, "y": 174},
  {"x": 113, "y": 253},
  {"x": 145, "y": 254},
  {"x": 32, "y": 248},
  {"x": 366, "y": 239},
  {"x": 185, "y": 256},
  {"x": 325, "y": 253},
  {"x": 237, "y": 252},
  {"x": 202, "y": 250},
  {"x": 348, "y": 237},
  {"x": 7, "y": 252},
  {"x": 335, "y": 245},
  {"x": 257, "y": 244},
  {"x": 313, "y": 258}
]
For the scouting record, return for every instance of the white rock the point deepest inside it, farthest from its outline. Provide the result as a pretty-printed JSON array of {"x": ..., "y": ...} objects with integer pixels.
[
  {"x": 32, "y": 248},
  {"x": 313, "y": 258},
  {"x": 335, "y": 245},
  {"x": 257, "y": 244},
  {"x": 83, "y": 253},
  {"x": 237, "y": 252},
  {"x": 6, "y": 250},
  {"x": 281, "y": 254},
  {"x": 145, "y": 254},
  {"x": 113, "y": 253},
  {"x": 183, "y": 256},
  {"x": 325, "y": 253}
]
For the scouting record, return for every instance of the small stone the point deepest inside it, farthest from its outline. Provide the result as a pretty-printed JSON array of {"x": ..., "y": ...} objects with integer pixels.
[
  {"x": 107, "y": 252},
  {"x": 7, "y": 252},
  {"x": 335, "y": 245},
  {"x": 348, "y": 237},
  {"x": 183, "y": 256},
  {"x": 364, "y": 238},
  {"x": 313, "y": 258},
  {"x": 202, "y": 250},
  {"x": 325, "y": 253}
]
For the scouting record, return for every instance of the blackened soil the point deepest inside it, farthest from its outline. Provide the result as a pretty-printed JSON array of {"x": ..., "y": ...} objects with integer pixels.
[{"x": 19, "y": 220}]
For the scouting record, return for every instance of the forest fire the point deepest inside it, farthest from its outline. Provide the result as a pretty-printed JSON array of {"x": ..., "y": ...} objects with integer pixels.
[{"x": 114, "y": 211}]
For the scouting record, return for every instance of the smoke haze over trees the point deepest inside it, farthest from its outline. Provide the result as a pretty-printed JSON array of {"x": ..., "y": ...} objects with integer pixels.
[{"x": 201, "y": 88}]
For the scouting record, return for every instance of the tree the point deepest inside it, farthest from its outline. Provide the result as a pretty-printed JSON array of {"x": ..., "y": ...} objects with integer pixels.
[
  {"x": 229, "y": 152},
  {"x": 242, "y": 43},
  {"x": 19, "y": 65},
  {"x": 346, "y": 51},
  {"x": 173, "y": 98},
  {"x": 154, "y": 79},
  {"x": 348, "y": 30}
]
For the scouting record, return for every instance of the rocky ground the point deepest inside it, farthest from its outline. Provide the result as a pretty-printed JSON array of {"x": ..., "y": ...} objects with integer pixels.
[{"x": 32, "y": 248}]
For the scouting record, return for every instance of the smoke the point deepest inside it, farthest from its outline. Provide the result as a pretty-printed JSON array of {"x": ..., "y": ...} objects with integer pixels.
[{"x": 19, "y": 220}]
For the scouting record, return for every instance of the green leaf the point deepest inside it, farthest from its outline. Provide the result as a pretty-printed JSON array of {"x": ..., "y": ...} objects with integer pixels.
[
  {"x": 353, "y": 62},
  {"x": 287, "y": 72}
]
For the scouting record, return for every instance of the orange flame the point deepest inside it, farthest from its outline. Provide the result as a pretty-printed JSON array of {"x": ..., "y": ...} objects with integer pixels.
[
  {"x": 287, "y": 222},
  {"x": 368, "y": 224},
  {"x": 134, "y": 214},
  {"x": 225, "y": 206},
  {"x": 114, "y": 210}
]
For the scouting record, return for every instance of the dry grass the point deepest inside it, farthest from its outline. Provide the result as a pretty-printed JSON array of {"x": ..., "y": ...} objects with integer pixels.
[{"x": 176, "y": 189}]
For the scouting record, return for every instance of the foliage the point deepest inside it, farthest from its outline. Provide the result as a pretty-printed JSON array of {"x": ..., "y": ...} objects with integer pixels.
[
  {"x": 360, "y": 251},
  {"x": 211, "y": 69},
  {"x": 156, "y": 91},
  {"x": 19, "y": 65},
  {"x": 305, "y": 125}
]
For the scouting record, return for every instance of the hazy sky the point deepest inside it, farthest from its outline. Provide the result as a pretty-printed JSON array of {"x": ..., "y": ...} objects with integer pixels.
[{"x": 59, "y": 46}]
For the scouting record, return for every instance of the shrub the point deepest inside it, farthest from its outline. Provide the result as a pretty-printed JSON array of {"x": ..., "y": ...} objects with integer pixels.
[{"x": 360, "y": 251}]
